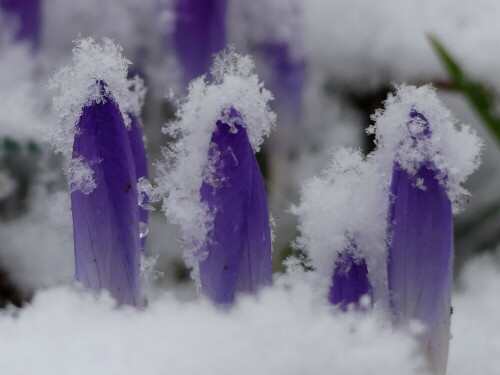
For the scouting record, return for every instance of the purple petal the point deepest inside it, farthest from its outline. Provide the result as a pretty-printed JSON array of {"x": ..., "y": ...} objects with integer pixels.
[
  {"x": 199, "y": 33},
  {"x": 28, "y": 15},
  {"x": 141, "y": 165},
  {"x": 106, "y": 221},
  {"x": 285, "y": 77},
  {"x": 421, "y": 257},
  {"x": 349, "y": 281},
  {"x": 239, "y": 248}
]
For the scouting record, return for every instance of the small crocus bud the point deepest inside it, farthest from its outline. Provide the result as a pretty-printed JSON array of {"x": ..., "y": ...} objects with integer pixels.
[
  {"x": 93, "y": 97},
  {"x": 211, "y": 183},
  {"x": 346, "y": 246},
  {"x": 350, "y": 281},
  {"x": 27, "y": 14},
  {"x": 200, "y": 31},
  {"x": 430, "y": 158},
  {"x": 239, "y": 245}
]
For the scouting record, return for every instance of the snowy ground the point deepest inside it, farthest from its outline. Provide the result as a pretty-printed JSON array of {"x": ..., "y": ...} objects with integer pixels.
[{"x": 65, "y": 331}]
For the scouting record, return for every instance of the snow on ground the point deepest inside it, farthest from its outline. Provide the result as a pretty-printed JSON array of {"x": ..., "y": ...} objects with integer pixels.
[{"x": 285, "y": 330}]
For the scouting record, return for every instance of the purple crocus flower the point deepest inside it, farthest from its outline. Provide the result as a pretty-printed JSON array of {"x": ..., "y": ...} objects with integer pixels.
[
  {"x": 350, "y": 281},
  {"x": 199, "y": 33},
  {"x": 106, "y": 219},
  {"x": 141, "y": 169},
  {"x": 421, "y": 253},
  {"x": 285, "y": 78},
  {"x": 28, "y": 18},
  {"x": 238, "y": 251}
]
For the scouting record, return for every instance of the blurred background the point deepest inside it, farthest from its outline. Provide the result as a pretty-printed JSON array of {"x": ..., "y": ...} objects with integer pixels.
[{"x": 329, "y": 64}]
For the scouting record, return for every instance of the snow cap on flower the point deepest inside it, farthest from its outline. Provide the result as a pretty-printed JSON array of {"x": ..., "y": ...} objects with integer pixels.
[
  {"x": 232, "y": 103},
  {"x": 75, "y": 86},
  {"x": 415, "y": 128},
  {"x": 101, "y": 172}
]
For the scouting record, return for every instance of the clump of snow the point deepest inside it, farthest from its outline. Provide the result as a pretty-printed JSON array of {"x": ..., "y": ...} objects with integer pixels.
[
  {"x": 76, "y": 86},
  {"x": 431, "y": 136},
  {"x": 345, "y": 206},
  {"x": 232, "y": 84},
  {"x": 282, "y": 331},
  {"x": 80, "y": 176}
]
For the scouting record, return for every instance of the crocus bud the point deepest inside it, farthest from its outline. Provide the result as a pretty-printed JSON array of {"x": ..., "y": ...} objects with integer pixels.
[
  {"x": 421, "y": 256},
  {"x": 199, "y": 33},
  {"x": 238, "y": 250},
  {"x": 350, "y": 281},
  {"x": 430, "y": 157},
  {"x": 210, "y": 181},
  {"x": 92, "y": 101},
  {"x": 105, "y": 216},
  {"x": 27, "y": 14}
]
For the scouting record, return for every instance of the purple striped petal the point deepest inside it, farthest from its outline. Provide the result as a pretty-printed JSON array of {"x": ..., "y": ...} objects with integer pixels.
[
  {"x": 199, "y": 33},
  {"x": 421, "y": 257},
  {"x": 28, "y": 15},
  {"x": 106, "y": 220},
  {"x": 350, "y": 281},
  {"x": 238, "y": 252},
  {"x": 141, "y": 165}
]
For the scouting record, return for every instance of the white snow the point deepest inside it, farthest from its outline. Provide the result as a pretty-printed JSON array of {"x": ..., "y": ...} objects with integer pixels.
[
  {"x": 475, "y": 342},
  {"x": 80, "y": 176},
  {"x": 282, "y": 331}
]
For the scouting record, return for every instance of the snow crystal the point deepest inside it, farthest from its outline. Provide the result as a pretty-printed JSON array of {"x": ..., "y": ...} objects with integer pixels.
[
  {"x": 283, "y": 331},
  {"x": 231, "y": 84},
  {"x": 80, "y": 176},
  {"x": 76, "y": 86},
  {"x": 412, "y": 141}
]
